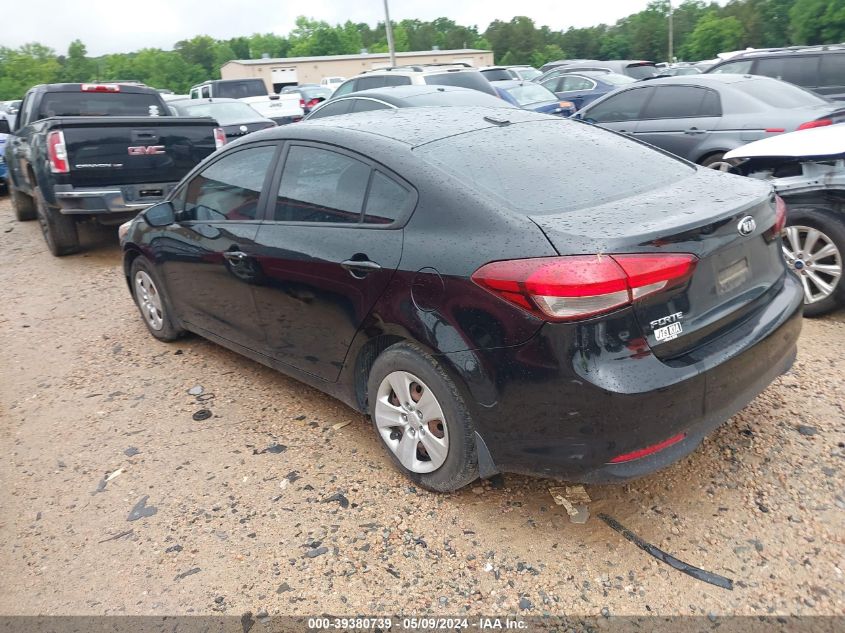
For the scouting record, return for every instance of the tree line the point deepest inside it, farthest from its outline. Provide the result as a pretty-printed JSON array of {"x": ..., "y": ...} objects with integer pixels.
[{"x": 701, "y": 30}]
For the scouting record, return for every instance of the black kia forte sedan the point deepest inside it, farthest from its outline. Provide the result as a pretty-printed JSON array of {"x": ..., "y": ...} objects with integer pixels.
[{"x": 498, "y": 290}]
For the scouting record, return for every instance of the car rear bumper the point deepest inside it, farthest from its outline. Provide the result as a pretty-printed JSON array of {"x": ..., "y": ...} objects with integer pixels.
[
  {"x": 116, "y": 199},
  {"x": 576, "y": 396}
]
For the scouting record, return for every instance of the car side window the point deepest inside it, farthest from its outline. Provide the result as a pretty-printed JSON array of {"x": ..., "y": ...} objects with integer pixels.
[
  {"x": 26, "y": 111},
  {"x": 206, "y": 92},
  {"x": 320, "y": 185},
  {"x": 386, "y": 201},
  {"x": 742, "y": 67},
  {"x": 346, "y": 88},
  {"x": 229, "y": 189},
  {"x": 832, "y": 70},
  {"x": 552, "y": 84},
  {"x": 366, "y": 105},
  {"x": 675, "y": 102},
  {"x": 801, "y": 71},
  {"x": 711, "y": 105},
  {"x": 625, "y": 106},
  {"x": 574, "y": 82},
  {"x": 333, "y": 108}
]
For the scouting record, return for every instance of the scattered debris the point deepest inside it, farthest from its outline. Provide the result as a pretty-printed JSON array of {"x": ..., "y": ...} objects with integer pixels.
[
  {"x": 196, "y": 390},
  {"x": 314, "y": 553},
  {"x": 659, "y": 554},
  {"x": 202, "y": 414},
  {"x": 292, "y": 476},
  {"x": 340, "y": 498},
  {"x": 174, "y": 548},
  {"x": 190, "y": 572},
  {"x": 808, "y": 431},
  {"x": 141, "y": 510},
  {"x": 273, "y": 448},
  {"x": 575, "y": 500},
  {"x": 392, "y": 572},
  {"x": 340, "y": 425},
  {"x": 205, "y": 397},
  {"x": 116, "y": 536},
  {"x": 131, "y": 451},
  {"x": 525, "y": 604},
  {"x": 101, "y": 485},
  {"x": 284, "y": 587},
  {"x": 116, "y": 473},
  {"x": 247, "y": 622}
]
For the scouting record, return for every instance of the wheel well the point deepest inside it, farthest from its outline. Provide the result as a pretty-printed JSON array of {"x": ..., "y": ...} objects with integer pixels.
[
  {"x": 364, "y": 363},
  {"x": 704, "y": 158},
  {"x": 130, "y": 256}
]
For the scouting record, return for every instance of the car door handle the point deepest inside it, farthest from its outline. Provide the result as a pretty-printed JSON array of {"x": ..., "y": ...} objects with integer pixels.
[
  {"x": 235, "y": 256},
  {"x": 694, "y": 130},
  {"x": 360, "y": 268}
]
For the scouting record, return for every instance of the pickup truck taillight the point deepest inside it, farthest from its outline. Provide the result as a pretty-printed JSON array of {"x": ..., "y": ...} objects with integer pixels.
[
  {"x": 219, "y": 137},
  {"x": 57, "y": 152},
  {"x": 100, "y": 88}
]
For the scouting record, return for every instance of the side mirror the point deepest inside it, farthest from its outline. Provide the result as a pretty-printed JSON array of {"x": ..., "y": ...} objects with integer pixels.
[
  {"x": 4, "y": 126},
  {"x": 161, "y": 214}
]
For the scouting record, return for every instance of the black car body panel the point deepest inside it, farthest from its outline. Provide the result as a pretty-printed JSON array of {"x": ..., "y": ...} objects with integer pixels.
[{"x": 552, "y": 398}]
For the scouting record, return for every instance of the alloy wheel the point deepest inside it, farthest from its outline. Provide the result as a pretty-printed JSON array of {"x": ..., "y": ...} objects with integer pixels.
[
  {"x": 149, "y": 300},
  {"x": 816, "y": 260},
  {"x": 410, "y": 420}
]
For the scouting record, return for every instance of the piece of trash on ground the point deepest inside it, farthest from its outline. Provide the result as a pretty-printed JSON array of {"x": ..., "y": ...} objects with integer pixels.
[
  {"x": 273, "y": 448},
  {"x": 196, "y": 390},
  {"x": 190, "y": 572},
  {"x": 114, "y": 474},
  {"x": 131, "y": 451},
  {"x": 659, "y": 554},
  {"x": 575, "y": 500},
  {"x": 340, "y": 498},
  {"x": 202, "y": 414},
  {"x": 141, "y": 510},
  {"x": 340, "y": 425},
  {"x": 117, "y": 536}
]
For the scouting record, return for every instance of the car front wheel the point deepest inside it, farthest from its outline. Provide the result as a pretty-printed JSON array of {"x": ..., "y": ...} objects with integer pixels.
[{"x": 422, "y": 419}]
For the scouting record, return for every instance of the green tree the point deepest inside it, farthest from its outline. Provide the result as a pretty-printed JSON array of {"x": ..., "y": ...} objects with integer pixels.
[
  {"x": 199, "y": 50},
  {"x": 21, "y": 68},
  {"x": 77, "y": 66},
  {"x": 714, "y": 35}
]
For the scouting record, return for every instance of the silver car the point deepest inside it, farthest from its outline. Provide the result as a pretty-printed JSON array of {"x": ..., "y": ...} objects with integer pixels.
[{"x": 701, "y": 117}]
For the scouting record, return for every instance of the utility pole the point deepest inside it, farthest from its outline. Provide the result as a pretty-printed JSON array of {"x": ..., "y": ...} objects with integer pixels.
[
  {"x": 389, "y": 29},
  {"x": 671, "y": 32}
]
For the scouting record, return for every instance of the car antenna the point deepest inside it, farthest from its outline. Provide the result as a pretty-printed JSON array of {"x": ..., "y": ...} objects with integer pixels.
[{"x": 499, "y": 122}]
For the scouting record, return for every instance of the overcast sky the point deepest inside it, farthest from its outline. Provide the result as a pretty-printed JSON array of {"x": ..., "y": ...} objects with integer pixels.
[{"x": 116, "y": 26}]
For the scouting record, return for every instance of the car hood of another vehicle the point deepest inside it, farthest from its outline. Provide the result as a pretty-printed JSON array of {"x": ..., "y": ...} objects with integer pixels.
[{"x": 821, "y": 141}]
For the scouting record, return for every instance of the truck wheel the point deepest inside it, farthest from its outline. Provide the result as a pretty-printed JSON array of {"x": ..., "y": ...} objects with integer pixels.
[
  {"x": 59, "y": 230},
  {"x": 422, "y": 419},
  {"x": 814, "y": 247},
  {"x": 23, "y": 205}
]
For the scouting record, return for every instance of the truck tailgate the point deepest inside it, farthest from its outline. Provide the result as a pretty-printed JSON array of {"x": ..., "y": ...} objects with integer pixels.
[{"x": 105, "y": 151}]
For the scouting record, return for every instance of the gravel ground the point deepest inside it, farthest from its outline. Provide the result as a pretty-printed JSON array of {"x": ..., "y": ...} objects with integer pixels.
[{"x": 95, "y": 416}]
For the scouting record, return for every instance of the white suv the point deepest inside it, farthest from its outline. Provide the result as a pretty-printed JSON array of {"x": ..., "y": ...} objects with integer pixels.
[{"x": 458, "y": 74}]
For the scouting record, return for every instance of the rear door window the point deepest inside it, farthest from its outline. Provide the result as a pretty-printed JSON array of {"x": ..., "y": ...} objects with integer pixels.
[
  {"x": 387, "y": 200},
  {"x": 677, "y": 102},
  {"x": 229, "y": 189},
  {"x": 323, "y": 186},
  {"x": 366, "y": 105},
  {"x": 625, "y": 106},
  {"x": 332, "y": 108},
  {"x": 576, "y": 82},
  {"x": 832, "y": 70},
  {"x": 801, "y": 71}
]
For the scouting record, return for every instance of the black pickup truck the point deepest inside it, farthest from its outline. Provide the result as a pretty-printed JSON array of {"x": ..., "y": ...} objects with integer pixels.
[{"x": 98, "y": 151}]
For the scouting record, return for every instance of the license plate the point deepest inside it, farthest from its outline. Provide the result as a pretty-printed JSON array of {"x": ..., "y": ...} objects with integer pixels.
[
  {"x": 669, "y": 332},
  {"x": 733, "y": 276}
]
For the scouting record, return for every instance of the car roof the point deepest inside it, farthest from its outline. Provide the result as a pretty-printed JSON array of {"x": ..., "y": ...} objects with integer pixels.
[
  {"x": 790, "y": 50},
  {"x": 512, "y": 83},
  {"x": 204, "y": 100},
  {"x": 411, "y": 126},
  {"x": 403, "y": 92},
  {"x": 703, "y": 79}
]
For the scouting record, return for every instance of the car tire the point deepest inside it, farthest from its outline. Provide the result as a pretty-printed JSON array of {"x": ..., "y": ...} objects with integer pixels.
[
  {"x": 422, "y": 379},
  {"x": 60, "y": 231},
  {"x": 156, "y": 311},
  {"x": 830, "y": 226},
  {"x": 717, "y": 161},
  {"x": 23, "y": 205}
]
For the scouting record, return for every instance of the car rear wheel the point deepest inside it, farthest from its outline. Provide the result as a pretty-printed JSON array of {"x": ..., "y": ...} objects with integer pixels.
[
  {"x": 717, "y": 162},
  {"x": 153, "y": 305},
  {"x": 814, "y": 247},
  {"x": 422, "y": 419},
  {"x": 60, "y": 231},
  {"x": 23, "y": 205}
]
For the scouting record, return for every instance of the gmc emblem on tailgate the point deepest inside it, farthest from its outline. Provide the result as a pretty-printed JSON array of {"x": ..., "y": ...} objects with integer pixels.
[{"x": 146, "y": 150}]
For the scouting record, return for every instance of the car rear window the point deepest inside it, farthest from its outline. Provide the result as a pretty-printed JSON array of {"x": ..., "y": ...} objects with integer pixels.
[
  {"x": 473, "y": 79},
  {"x": 641, "y": 71},
  {"x": 497, "y": 74},
  {"x": 529, "y": 93},
  {"x": 240, "y": 89},
  {"x": 521, "y": 165},
  {"x": 100, "y": 104},
  {"x": 779, "y": 94}
]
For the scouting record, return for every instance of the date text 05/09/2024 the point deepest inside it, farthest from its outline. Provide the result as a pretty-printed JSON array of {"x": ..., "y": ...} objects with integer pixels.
[{"x": 416, "y": 624}]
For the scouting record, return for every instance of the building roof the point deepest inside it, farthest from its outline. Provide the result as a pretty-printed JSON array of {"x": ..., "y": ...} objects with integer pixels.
[{"x": 333, "y": 58}]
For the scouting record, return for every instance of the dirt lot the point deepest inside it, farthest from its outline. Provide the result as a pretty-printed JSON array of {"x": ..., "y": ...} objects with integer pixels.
[{"x": 237, "y": 529}]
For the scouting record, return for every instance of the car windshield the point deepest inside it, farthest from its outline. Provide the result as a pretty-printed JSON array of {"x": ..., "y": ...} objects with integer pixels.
[
  {"x": 472, "y": 79},
  {"x": 641, "y": 72},
  {"x": 496, "y": 74},
  {"x": 779, "y": 94},
  {"x": 529, "y": 93},
  {"x": 99, "y": 104},
  {"x": 508, "y": 162},
  {"x": 223, "y": 113},
  {"x": 528, "y": 74},
  {"x": 616, "y": 79}
]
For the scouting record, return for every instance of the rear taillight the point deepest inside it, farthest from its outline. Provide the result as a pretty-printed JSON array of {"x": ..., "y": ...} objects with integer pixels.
[
  {"x": 312, "y": 103},
  {"x": 57, "y": 152},
  {"x": 780, "y": 220},
  {"x": 809, "y": 125},
  {"x": 219, "y": 137},
  {"x": 580, "y": 286},
  {"x": 100, "y": 88},
  {"x": 301, "y": 103}
]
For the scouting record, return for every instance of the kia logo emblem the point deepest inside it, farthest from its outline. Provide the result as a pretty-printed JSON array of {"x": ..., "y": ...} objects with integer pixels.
[{"x": 746, "y": 225}]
